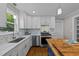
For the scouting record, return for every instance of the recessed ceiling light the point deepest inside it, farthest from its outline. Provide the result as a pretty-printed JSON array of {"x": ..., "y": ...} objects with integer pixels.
[{"x": 34, "y": 11}]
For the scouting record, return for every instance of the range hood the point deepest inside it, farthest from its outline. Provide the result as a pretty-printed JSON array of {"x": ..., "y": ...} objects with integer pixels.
[{"x": 44, "y": 28}]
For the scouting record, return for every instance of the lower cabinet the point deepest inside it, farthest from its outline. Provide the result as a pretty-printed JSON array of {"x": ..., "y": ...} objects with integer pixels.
[
  {"x": 21, "y": 49},
  {"x": 12, "y": 52},
  {"x": 24, "y": 47},
  {"x": 28, "y": 44}
]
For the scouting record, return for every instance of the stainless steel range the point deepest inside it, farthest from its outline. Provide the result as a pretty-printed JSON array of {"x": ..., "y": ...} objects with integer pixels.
[{"x": 44, "y": 36}]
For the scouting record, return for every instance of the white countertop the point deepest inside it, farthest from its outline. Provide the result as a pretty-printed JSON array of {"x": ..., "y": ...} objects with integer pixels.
[
  {"x": 36, "y": 34},
  {"x": 4, "y": 48}
]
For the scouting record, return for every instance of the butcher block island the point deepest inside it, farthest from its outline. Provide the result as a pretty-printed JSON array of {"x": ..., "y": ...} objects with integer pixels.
[{"x": 60, "y": 47}]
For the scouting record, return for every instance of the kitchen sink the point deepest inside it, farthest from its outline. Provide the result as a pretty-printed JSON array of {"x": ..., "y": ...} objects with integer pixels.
[{"x": 17, "y": 40}]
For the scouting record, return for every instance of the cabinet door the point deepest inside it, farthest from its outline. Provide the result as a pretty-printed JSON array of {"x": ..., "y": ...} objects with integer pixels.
[
  {"x": 26, "y": 21},
  {"x": 35, "y": 22},
  {"x": 29, "y": 22},
  {"x": 28, "y": 44},
  {"x": 42, "y": 20},
  {"x": 21, "y": 49},
  {"x": 45, "y": 20},
  {"x": 12, "y": 52},
  {"x": 21, "y": 19},
  {"x": 52, "y": 22},
  {"x": 38, "y": 22},
  {"x": 3, "y": 9}
]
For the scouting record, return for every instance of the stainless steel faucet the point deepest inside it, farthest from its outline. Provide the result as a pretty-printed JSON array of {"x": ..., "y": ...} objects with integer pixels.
[{"x": 14, "y": 35}]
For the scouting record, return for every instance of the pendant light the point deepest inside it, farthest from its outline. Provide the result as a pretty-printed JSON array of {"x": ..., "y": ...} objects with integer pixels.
[{"x": 59, "y": 11}]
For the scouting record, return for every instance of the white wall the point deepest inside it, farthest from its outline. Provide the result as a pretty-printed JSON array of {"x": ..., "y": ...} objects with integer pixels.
[
  {"x": 68, "y": 28},
  {"x": 69, "y": 25}
]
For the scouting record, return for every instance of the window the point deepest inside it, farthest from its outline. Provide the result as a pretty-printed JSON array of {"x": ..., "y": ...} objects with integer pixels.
[{"x": 12, "y": 21}]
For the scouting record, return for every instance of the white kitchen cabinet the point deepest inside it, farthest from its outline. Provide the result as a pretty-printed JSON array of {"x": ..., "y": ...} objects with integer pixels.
[
  {"x": 28, "y": 22},
  {"x": 21, "y": 49},
  {"x": 28, "y": 44},
  {"x": 47, "y": 20},
  {"x": 12, "y": 52},
  {"x": 32, "y": 22},
  {"x": 22, "y": 19},
  {"x": 3, "y": 9},
  {"x": 35, "y": 22},
  {"x": 24, "y": 47},
  {"x": 52, "y": 22},
  {"x": 44, "y": 20}
]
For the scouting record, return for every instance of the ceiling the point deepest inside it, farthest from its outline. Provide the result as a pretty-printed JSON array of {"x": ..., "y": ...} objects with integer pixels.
[{"x": 48, "y": 9}]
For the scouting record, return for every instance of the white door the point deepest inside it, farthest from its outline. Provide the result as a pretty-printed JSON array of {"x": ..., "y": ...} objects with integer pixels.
[{"x": 59, "y": 30}]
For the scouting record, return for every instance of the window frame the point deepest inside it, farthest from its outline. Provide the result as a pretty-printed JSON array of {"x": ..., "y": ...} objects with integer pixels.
[{"x": 16, "y": 27}]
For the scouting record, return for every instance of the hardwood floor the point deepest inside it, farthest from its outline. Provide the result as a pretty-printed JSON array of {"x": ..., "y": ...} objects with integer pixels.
[{"x": 38, "y": 51}]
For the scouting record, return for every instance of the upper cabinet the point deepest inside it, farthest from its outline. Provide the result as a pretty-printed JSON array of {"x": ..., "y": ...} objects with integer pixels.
[
  {"x": 22, "y": 17},
  {"x": 32, "y": 22},
  {"x": 3, "y": 9},
  {"x": 52, "y": 22},
  {"x": 44, "y": 20},
  {"x": 35, "y": 22},
  {"x": 28, "y": 22},
  {"x": 49, "y": 21}
]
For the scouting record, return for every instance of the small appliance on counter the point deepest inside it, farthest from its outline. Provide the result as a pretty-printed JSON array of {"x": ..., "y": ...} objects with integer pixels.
[{"x": 27, "y": 33}]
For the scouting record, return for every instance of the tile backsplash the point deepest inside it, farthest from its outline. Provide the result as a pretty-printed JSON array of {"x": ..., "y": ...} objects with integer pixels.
[{"x": 6, "y": 37}]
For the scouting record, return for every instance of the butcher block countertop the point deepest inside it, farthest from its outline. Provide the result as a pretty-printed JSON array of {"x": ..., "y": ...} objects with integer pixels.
[{"x": 61, "y": 48}]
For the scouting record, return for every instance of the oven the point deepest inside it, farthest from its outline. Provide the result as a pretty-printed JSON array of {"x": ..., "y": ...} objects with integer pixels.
[{"x": 44, "y": 36}]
